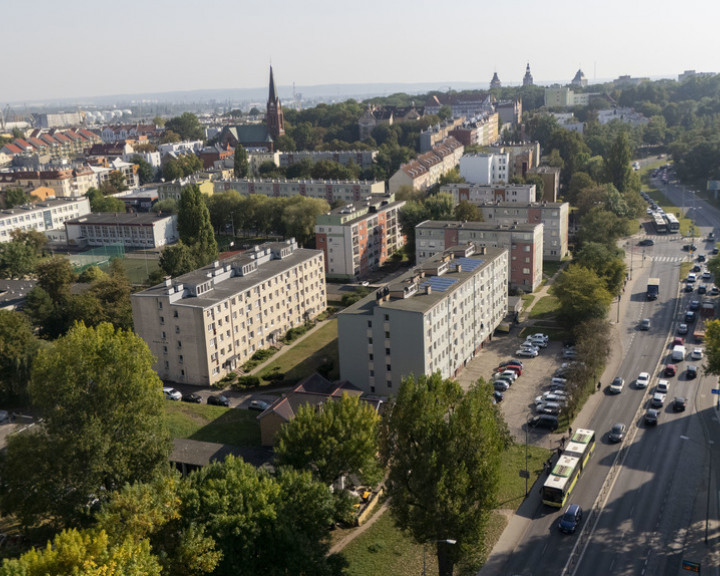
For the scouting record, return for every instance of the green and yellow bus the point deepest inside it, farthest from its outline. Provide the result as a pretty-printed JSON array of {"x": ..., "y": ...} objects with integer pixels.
[{"x": 564, "y": 475}]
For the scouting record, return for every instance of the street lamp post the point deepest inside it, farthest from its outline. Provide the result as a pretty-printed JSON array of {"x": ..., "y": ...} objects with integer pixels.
[
  {"x": 448, "y": 541},
  {"x": 707, "y": 503}
]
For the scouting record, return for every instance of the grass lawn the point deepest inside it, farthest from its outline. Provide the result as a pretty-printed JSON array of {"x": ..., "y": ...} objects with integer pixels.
[
  {"x": 546, "y": 306},
  {"x": 527, "y": 300},
  {"x": 212, "y": 423},
  {"x": 138, "y": 269},
  {"x": 306, "y": 356},
  {"x": 383, "y": 549},
  {"x": 550, "y": 267}
]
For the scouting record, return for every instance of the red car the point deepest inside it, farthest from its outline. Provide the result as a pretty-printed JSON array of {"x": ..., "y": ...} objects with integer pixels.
[
  {"x": 670, "y": 370},
  {"x": 678, "y": 341}
]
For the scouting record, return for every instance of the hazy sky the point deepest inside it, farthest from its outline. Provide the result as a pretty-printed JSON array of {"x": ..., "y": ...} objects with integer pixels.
[{"x": 75, "y": 48}]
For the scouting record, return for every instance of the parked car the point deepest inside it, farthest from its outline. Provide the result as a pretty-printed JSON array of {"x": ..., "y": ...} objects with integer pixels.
[
  {"x": 539, "y": 336},
  {"x": 526, "y": 353},
  {"x": 617, "y": 385},
  {"x": 682, "y": 329},
  {"x": 511, "y": 362},
  {"x": 553, "y": 408},
  {"x": 571, "y": 519},
  {"x": 617, "y": 432},
  {"x": 550, "y": 397},
  {"x": 498, "y": 396},
  {"x": 651, "y": 416},
  {"x": 670, "y": 370},
  {"x": 536, "y": 342},
  {"x": 679, "y": 404},
  {"x": 259, "y": 405},
  {"x": 697, "y": 354},
  {"x": 517, "y": 369},
  {"x": 501, "y": 385},
  {"x": 192, "y": 397},
  {"x": 691, "y": 372},
  {"x": 645, "y": 324},
  {"x": 172, "y": 394},
  {"x": 570, "y": 353},
  {"x": 547, "y": 421},
  {"x": 218, "y": 400},
  {"x": 643, "y": 380},
  {"x": 510, "y": 374}
]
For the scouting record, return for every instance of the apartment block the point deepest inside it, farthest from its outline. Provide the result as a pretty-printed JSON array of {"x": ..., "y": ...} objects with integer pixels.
[
  {"x": 47, "y": 217},
  {"x": 330, "y": 190},
  {"x": 524, "y": 243},
  {"x": 432, "y": 319},
  {"x": 359, "y": 237},
  {"x": 479, "y": 194},
  {"x": 426, "y": 169},
  {"x": 137, "y": 230},
  {"x": 363, "y": 158},
  {"x": 552, "y": 215},
  {"x": 66, "y": 182},
  {"x": 485, "y": 169},
  {"x": 209, "y": 322}
]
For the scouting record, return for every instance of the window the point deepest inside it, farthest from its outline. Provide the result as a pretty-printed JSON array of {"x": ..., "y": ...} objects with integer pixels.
[
  {"x": 387, "y": 367},
  {"x": 163, "y": 335},
  {"x": 369, "y": 323},
  {"x": 162, "y": 319},
  {"x": 387, "y": 334},
  {"x": 175, "y": 314},
  {"x": 387, "y": 351}
]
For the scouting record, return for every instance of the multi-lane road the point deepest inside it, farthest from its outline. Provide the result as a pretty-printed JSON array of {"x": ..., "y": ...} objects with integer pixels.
[{"x": 641, "y": 497}]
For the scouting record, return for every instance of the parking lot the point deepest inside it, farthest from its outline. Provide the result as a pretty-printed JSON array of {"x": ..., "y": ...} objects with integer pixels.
[{"x": 519, "y": 400}]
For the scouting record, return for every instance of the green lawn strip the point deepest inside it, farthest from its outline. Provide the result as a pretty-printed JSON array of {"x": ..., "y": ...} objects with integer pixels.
[
  {"x": 305, "y": 356},
  {"x": 546, "y": 306},
  {"x": 527, "y": 300},
  {"x": 384, "y": 549},
  {"x": 213, "y": 423},
  {"x": 550, "y": 267}
]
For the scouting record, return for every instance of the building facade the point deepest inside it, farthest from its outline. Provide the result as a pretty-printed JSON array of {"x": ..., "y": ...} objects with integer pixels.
[
  {"x": 552, "y": 215},
  {"x": 65, "y": 182},
  {"x": 477, "y": 194},
  {"x": 359, "y": 237},
  {"x": 524, "y": 243},
  {"x": 209, "y": 322},
  {"x": 44, "y": 217},
  {"x": 136, "y": 230},
  {"x": 432, "y": 319},
  {"x": 330, "y": 190},
  {"x": 485, "y": 168},
  {"x": 426, "y": 169},
  {"x": 363, "y": 158}
]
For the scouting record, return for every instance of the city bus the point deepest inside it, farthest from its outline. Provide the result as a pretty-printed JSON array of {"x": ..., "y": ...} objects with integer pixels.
[
  {"x": 660, "y": 224},
  {"x": 673, "y": 224},
  {"x": 561, "y": 481},
  {"x": 581, "y": 445}
]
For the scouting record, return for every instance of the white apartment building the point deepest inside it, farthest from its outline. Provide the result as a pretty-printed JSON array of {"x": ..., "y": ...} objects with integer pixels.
[
  {"x": 479, "y": 194},
  {"x": 523, "y": 241},
  {"x": 137, "y": 230},
  {"x": 47, "y": 217},
  {"x": 552, "y": 215},
  {"x": 433, "y": 319},
  {"x": 330, "y": 190},
  {"x": 359, "y": 237},
  {"x": 209, "y": 322},
  {"x": 485, "y": 169}
]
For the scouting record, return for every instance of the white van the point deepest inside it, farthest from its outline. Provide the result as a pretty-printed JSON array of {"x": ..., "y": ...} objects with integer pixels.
[{"x": 678, "y": 353}]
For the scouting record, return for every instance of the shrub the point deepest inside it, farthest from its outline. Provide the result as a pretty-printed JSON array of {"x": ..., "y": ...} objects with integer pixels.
[{"x": 248, "y": 381}]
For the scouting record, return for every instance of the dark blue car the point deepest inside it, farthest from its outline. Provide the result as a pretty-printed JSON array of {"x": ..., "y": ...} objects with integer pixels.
[{"x": 571, "y": 519}]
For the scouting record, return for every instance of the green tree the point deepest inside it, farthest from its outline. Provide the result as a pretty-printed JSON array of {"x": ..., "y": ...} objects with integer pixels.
[
  {"x": 159, "y": 121},
  {"x": 617, "y": 162},
  {"x": 410, "y": 216},
  {"x": 241, "y": 165},
  {"x": 299, "y": 216},
  {"x": 606, "y": 261},
  {"x": 194, "y": 227},
  {"x": 103, "y": 426},
  {"x": 15, "y": 197},
  {"x": 85, "y": 553},
  {"x": 18, "y": 346},
  {"x": 169, "y": 137},
  {"x": 165, "y": 206},
  {"x": 467, "y": 212},
  {"x": 145, "y": 170},
  {"x": 177, "y": 259},
  {"x": 440, "y": 206},
  {"x": 442, "y": 447},
  {"x": 582, "y": 294},
  {"x": 578, "y": 182},
  {"x": 187, "y": 126},
  {"x": 55, "y": 275},
  {"x": 17, "y": 259},
  {"x": 712, "y": 347},
  {"x": 117, "y": 180},
  {"x": 604, "y": 227},
  {"x": 339, "y": 440},
  {"x": 102, "y": 203},
  {"x": 251, "y": 515},
  {"x": 90, "y": 274}
]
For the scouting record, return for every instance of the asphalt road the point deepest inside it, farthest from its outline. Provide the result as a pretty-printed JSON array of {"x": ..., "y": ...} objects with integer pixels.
[{"x": 642, "y": 492}]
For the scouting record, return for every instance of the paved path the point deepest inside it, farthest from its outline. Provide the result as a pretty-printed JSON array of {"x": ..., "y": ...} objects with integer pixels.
[{"x": 338, "y": 546}]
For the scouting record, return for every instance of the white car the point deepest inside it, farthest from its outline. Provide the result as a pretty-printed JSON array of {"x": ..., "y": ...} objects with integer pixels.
[
  {"x": 538, "y": 336},
  {"x": 507, "y": 374},
  {"x": 617, "y": 385},
  {"x": 697, "y": 354},
  {"x": 526, "y": 352},
  {"x": 662, "y": 386},
  {"x": 691, "y": 278},
  {"x": 172, "y": 394},
  {"x": 643, "y": 380},
  {"x": 706, "y": 275},
  {"x": 537, "y": 342}
]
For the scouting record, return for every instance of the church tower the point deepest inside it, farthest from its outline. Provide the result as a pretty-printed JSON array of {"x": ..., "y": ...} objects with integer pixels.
[
  {"x": 528, "y": 79},
  {"x": 274, "y": 116},
  {"x": 495, "y": 82}
]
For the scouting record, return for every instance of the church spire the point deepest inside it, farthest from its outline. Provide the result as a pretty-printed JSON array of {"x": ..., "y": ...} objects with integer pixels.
[
  {"x": 272, "y": 96},
  {"x": 274, "y": 116}
]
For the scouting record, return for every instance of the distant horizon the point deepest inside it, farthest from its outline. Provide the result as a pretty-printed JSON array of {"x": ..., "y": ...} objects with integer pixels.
[{"x": 285, "y": 92}]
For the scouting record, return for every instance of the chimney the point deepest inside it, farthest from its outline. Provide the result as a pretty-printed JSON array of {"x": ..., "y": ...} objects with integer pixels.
[
  {"x": 428, "y": 289},
  {"x": 459, "y": 268}
]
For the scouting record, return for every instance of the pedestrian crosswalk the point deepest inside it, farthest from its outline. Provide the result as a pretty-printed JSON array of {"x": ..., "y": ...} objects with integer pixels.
[{"x": 667, "y": 258}]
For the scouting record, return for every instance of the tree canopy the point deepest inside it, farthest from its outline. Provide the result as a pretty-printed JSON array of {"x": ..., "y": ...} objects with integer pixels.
[
  {"x": 582, "y": 294},
  {"x": 187, "y": 126},
  {"x": 103, "y": 425},
  {"x": 443, "y": 447}
]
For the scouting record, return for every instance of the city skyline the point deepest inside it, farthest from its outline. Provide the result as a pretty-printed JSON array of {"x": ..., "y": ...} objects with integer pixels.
[{"x": 79, "y": 49}]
